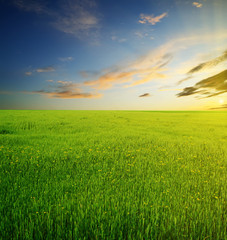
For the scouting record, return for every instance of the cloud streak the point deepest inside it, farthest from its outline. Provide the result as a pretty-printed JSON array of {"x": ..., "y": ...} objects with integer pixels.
[
  {"x": 151, "y": 19},
  {"x": 145, "y": 95},
  {"x": 31, "y": 6},
  {"x": 209, "y": 64},
  {"x": 209, "y": 87},
  {"x": 28, "y": 73},
  {"x": 67, "y": 94},
  {"x": 150, "y": 67},
  {"x": 66, "y": 90},
  {"x": 66, "y": 59},
  {"x": 224, "y": 106},
  {"x": 145, "y": 69},
  {"x": 76, "y": 17},
  {"x": 45, "y": 69},
  {"x": 196, "y": 4},
  {"x": 205, "y": 65}
]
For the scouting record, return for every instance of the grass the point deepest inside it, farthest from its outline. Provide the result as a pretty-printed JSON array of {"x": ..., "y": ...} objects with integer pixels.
[{"x": 113, "y": 175}]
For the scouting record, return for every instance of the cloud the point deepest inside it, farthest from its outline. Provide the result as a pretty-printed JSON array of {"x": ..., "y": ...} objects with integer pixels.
[
  {"x": 196, "y": 4},
  {"x": 66, "y": 59},
  {"x": 31, "y": 6},
  {"x": 140, "y": 34},
  {"x": 45, "y": 69},
  {"x": 202, "y": 66},
  {"x": 50, "y": 80},
  {"x": 117, "y": 39},
  {"x": 64, "y": 82},
  {"x": 209, "y": 87},
  {"x": 66, "y": 90},
  {"x": 171, "y": 89},
  {"x": 145, "y": 95},
  {"x": 183, "y": 80},
  {"x": 147, "y": 78},
  {"x": 151, "y": 19},
  {"x": 110, "y": 78},
  {"x": 88, "y": 74},
  {"x": 76, "y": 17},
  {"x": 67, "y": 94},
  {"x": 144, "y": 34},
  {"x": 145, "y": 69},
  {"x": 119, "y": 77},
  {"x": 209, "y": 64},
  {"x": 28, "y": 73},
  {"x": 152, "y": 66},
  {"x": 221, "y": 107}
]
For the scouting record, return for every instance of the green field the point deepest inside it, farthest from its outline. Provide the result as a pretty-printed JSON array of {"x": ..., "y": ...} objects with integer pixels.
[{"x": 113, "y": 175}]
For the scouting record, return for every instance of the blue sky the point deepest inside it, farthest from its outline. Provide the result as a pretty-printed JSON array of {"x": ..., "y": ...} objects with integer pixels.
[{"x": 146, "y": 55}]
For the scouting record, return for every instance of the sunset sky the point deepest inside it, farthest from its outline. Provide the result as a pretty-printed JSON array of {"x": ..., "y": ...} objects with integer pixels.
[{"x": 122, "y": 54}]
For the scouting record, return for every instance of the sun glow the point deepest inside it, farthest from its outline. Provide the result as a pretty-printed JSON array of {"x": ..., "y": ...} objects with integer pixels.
[{"x": 221, "y": 101}]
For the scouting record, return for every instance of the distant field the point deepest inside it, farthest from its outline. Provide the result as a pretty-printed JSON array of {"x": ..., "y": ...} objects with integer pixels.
[{"x": 113, "y": 175}]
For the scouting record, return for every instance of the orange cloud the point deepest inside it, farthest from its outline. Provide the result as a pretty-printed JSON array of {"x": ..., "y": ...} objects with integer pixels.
[
  {"x": 196, "y": 4},
  {"x": 145, "y": 69},
  {"x": 66, "y": 90},
  {"x": 151, "y": 19},
  {"x": 147, "y": 77},
  {"x": 109, "y": 79},
  {"x": 28, "y": 73},
  {"x": 64, "y": 82},
  {"x": 67, "y": 94},
  {"x": 150, "y": 67}
]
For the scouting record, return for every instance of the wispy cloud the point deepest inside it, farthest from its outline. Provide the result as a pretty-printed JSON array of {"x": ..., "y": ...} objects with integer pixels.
[
  {"x": 45, "y": 69},
  {"x": 154, "y": 66},
  {"x": 145, "y": 95},
  {"x": 151, "y": 19},
  {"x": 117, "y": 39},
  {"x": 145, "y": 69},
  {"x": 147, "y": 77},
  {"x": 31, "y": 6},
  {"x": 224, "y": 106},
  {"x": 203, "y": 66},
  {"x": 170, "y": 89},
  {"x": 89, "y": 74},
  {"x": 28, "y": 73},
  {"x": 67, "y": 94},
  {"x": 209, "y": 64},
  {"x": 66, "y": 59},
  {"x": 65, "y": 82},
  {"x": 144, "y": 34},
  {"x": 196, "y": 4},
  {"x": 65, "y": 90},
  {"x": 209, "y": 87},
  {"x": 50, "y": 80},
  {"x": 75, "y": 17}
]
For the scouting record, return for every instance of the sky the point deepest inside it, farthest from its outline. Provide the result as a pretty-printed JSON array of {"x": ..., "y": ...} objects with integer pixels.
[{"x": 113, "y": 55}]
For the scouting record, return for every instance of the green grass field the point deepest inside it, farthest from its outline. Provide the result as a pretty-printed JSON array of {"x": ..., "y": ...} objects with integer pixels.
[{"x": 113, "y": 175}]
